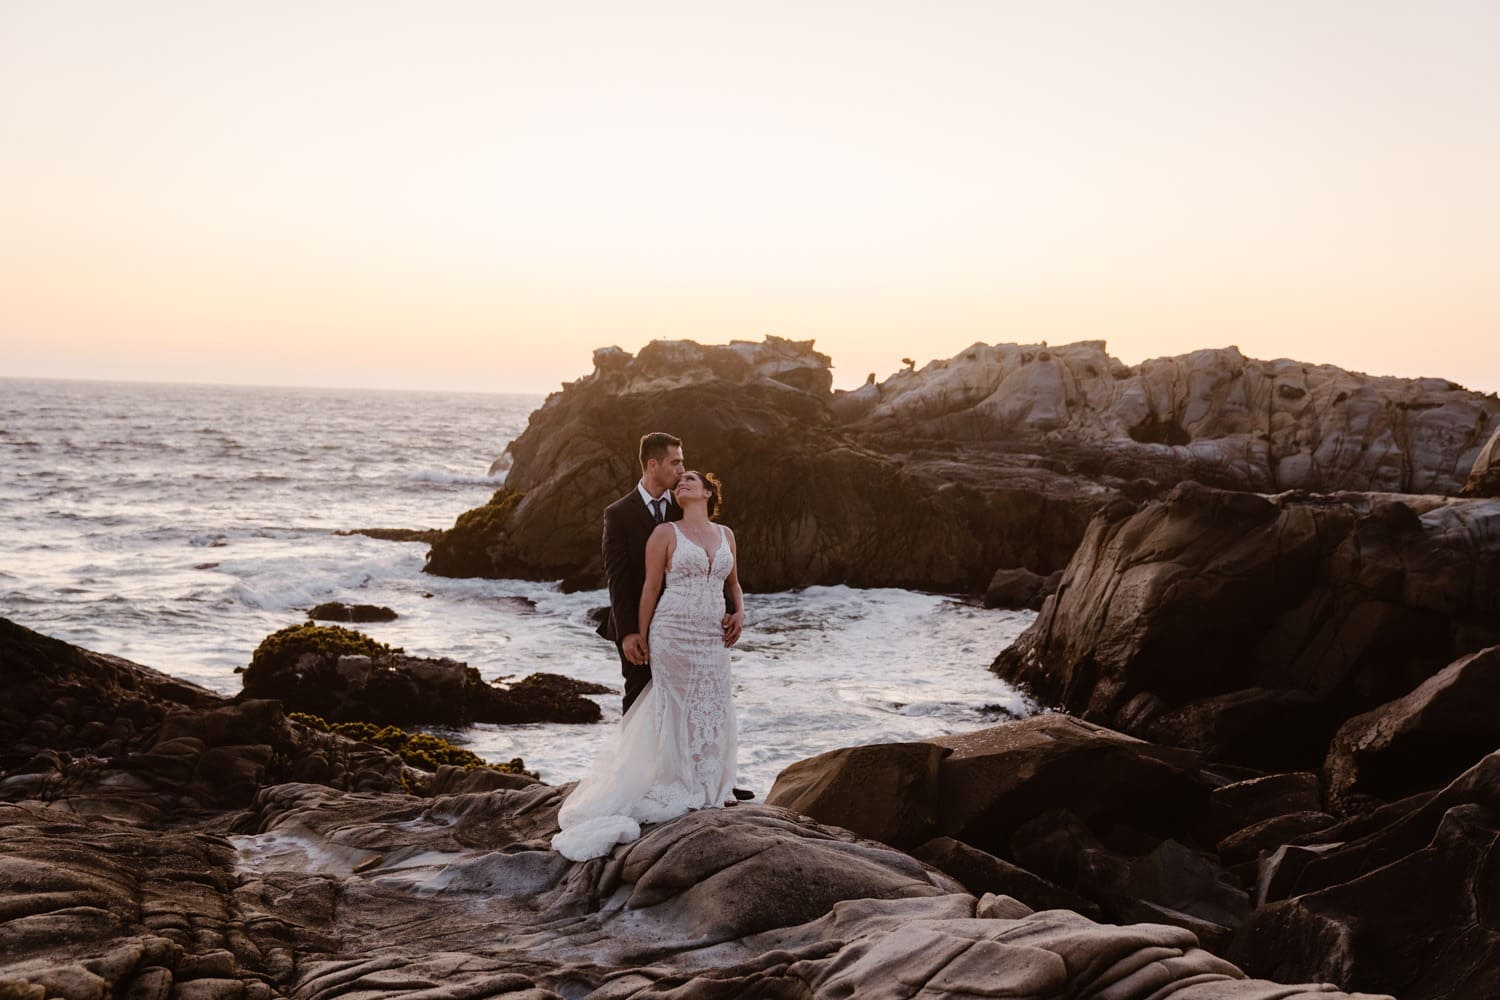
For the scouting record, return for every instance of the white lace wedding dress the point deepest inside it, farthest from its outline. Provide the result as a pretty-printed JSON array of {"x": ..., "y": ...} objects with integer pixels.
[{"x": 675, "y": 749}]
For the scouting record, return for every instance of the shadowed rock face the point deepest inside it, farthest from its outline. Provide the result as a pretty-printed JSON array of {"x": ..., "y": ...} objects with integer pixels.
[
  {"x": 934, "y": 479},
  {"x": 1250, "y": 627},
  {"x": 326, "y": 868}
]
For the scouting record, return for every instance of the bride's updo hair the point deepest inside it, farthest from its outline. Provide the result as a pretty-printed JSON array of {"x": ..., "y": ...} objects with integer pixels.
[{"x": 715, "y": 492}]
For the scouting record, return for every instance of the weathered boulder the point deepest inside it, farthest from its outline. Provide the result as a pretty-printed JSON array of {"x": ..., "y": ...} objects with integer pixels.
[
  {"x": 1203, "y": 618},
  {"x": 1422, "y": 740},
  {"x": 997, "y": 779},
  {"x": 345, "y": 676},
  {"x": 884, "y": 791}
]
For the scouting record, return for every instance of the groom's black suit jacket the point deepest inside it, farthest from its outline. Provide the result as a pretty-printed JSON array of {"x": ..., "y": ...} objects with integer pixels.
[{"x": 627, "y": 526}]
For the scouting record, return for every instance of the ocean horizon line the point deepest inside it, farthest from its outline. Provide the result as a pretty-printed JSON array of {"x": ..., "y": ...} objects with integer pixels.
[{"x": 312, "y": 387}]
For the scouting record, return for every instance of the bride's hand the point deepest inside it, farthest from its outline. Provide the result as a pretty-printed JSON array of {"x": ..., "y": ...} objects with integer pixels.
[{"x": 733, "y": 625}]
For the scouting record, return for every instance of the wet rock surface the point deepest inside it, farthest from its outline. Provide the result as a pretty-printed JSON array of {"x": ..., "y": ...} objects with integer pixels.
[{"x": 329, "y": 868}]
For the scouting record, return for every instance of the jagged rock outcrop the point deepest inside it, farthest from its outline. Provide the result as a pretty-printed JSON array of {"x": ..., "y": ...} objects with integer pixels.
[
  {"x": 1055, "y": 812},
  {"x": 1409, "y": 902},
  {"x": 808, "y": 502},
  {"x": 1420, "y": 740},
  {"x": 1213, "y": 415},
  {"x": 1250, "y": 627},
  {"x": 308, "y": 881},
  {"x": 936, "y": 478}
]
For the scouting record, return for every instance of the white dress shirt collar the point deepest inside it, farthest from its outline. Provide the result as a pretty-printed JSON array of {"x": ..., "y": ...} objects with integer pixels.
[{"x": 646, "y": 497}]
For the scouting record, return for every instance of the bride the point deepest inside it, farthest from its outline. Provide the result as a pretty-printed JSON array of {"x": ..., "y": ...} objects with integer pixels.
[{"x": 675, "y": 748}]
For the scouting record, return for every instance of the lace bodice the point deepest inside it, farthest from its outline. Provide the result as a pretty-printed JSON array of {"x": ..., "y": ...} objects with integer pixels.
[{"x": 694, "y": 570}]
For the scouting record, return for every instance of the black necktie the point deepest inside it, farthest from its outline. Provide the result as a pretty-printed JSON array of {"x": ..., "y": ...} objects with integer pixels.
[{"x": 659, "y": 513}]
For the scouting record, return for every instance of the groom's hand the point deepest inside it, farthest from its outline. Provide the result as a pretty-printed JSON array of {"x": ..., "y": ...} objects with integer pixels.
[
  {"x": 733, "y": 625},
  {"x": 635, "y": 648}
]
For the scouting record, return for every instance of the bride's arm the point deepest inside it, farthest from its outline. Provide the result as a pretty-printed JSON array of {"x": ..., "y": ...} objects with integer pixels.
[
  {"x": 658, "y": 550},
  {"x": 734, "y": 622}
]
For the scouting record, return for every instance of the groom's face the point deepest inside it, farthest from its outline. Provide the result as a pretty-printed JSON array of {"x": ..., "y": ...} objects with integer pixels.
[{"x": 668, "y": 470}]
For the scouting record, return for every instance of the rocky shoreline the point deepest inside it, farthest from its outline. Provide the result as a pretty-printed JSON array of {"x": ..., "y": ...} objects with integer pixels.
[
  {"x": 995, "y": 459},
  {"x": 162, "y": 841},
  {"x": 1269, "y": 620}
]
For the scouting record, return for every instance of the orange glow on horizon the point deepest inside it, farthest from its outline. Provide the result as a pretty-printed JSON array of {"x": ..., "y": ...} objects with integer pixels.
[{"x": 476, "y": 197}]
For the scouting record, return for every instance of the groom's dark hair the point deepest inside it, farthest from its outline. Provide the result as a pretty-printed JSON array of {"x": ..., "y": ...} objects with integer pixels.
[{"x": 655, "y": 445}]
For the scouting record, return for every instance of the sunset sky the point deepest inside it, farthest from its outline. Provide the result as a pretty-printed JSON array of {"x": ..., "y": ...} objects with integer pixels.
[{"x": 476, "y": 195}]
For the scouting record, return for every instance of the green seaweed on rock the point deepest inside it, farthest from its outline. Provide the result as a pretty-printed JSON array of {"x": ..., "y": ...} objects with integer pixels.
[
  {"x": 284, "y": 646},
  {"x": 421, "y": 750}
]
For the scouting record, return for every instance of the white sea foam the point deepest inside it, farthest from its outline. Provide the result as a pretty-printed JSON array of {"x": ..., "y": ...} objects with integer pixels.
[{"x": 446, "y": 478}]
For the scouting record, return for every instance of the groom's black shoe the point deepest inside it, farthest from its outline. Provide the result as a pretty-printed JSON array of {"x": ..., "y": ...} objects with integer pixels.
[{"x": 743, "y": 793}]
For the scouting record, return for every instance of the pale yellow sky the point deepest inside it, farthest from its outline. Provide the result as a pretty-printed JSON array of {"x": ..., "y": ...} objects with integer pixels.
[{"x": 476, "y": 195}]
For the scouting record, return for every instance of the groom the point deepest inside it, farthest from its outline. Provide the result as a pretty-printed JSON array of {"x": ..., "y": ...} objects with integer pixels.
[{"x": 628, "y": 523}]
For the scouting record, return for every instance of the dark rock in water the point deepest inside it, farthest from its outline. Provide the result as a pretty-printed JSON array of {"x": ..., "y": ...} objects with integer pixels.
[
  {"x": 426, "y": 535},
  {"x": 158, "y": 841},
  {"x": 1207, "y": 617},
  {"x": 1422, "y": 740},
  {"x": 1020, "y": 588},
  {"x": 336, "y": 611},
  {"x": 345, "y": 676}
]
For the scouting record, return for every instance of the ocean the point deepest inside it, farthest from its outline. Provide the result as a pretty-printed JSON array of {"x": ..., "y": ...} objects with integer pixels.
[{"x": 177, "y": 525}]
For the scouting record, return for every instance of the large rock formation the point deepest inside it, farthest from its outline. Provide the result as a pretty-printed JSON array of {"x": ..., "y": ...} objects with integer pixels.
[
  {"x": 1250, "y": 627},
  {"x": 1212, "y": 415},
  {"x": 994, "y": 459},
  {"x": 808, "y": 502},
  {"x": 158, "y": 841}
]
